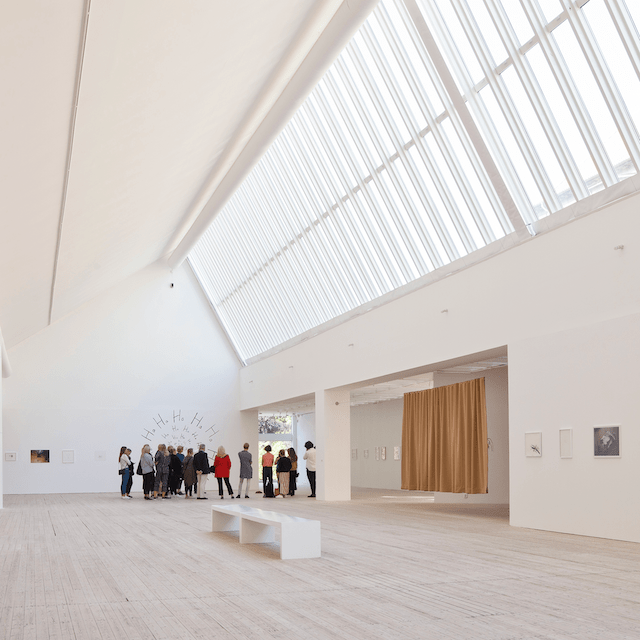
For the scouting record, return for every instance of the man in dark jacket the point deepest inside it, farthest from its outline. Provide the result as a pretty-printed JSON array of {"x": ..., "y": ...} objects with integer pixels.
[{"x": 201, "y": 464}]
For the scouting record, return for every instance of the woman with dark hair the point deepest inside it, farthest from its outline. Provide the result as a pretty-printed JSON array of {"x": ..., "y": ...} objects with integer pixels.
[
  {"x": 293, "y": 474},
  {"x": 283, "y": 469},
  {"x": 124, "y": 472},
  {"x": 189, "y": 473},
  {"x": 175, "y": 471},
  {"x": 267, "y": 472},
  {"x": 222, "y": 464},
  {"x": 146, "y": 466},
  {"x": 310, "y": 457},
  {"x": 130, "y": 481}
]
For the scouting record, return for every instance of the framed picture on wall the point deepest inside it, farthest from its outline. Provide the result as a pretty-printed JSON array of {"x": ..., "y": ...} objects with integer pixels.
[
  {"x": 377, "y": 453},
  {"x": 533, "y": 444},
  {"x": 566, "y": 443},
  {"x": 606, "y": 441},
  {"x": 10, "y": 456},
  {"x": 354, "y": 454},
  {"x": 383, "y": 453},
  {"x": 365, "y": 453},
  {"x": 40, "y": 455},
  {"x": 68, "y": 456}
]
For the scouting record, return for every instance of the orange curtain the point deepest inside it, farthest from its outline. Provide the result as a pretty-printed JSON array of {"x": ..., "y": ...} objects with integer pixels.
[{"x": 444, "y": 439}]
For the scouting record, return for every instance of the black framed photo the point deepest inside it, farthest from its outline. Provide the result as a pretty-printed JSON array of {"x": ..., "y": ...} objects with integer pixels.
[{"x": 606, "y": 441}]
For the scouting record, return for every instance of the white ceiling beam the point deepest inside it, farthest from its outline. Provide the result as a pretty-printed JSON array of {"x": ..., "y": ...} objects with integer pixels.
[{"x": 329, "y": 28}]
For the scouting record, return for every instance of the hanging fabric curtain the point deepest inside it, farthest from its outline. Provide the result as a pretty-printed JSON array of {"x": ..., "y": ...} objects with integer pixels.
[{"x": 444, "y": 439}]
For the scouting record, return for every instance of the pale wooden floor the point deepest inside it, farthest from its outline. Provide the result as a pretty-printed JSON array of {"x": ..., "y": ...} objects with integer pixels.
[{"x": 94, "y": 566}]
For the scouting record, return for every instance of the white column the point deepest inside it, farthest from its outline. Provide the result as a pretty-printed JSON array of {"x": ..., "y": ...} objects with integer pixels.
[{"x": 333, "y": 435}]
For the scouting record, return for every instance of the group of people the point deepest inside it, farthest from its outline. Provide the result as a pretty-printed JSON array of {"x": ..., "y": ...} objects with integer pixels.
[
  {"x": 164, "y": 473},
  {"x": 287, "y": 471}
]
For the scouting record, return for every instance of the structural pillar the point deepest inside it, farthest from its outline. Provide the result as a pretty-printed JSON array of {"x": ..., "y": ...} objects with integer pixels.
[{"x": 333, "y": 444}]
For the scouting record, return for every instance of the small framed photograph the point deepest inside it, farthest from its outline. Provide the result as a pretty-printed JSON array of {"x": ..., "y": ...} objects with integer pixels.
[
  {"x": 396, "y": 453},
  {"x": 533, "y": 444},
  {"x": 354, "y": 454},
  {"x": 377, "y": 453},
  {"x": 68, "y": 456},
  {"x": 40, "y": 455},
  {"x": 365, "y": 453},
  {"x": 10, "y": 456},
  {"x": 383, "y": 453},
  {"x": 566, "y": 443},
  {"x": 606, "y": 441}
]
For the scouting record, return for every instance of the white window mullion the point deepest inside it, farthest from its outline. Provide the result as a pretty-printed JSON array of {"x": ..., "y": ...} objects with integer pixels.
[
  {"x": 604, "y": 80},
  {"x": 279, "y": 266},
  {"x": 350, "y": 289},
  {"x": 534, "y": 93},
  {"x": 393, "y": 132},
  {"x": 576, "y": 106},
  {"x": 358, "y": 285},
  {"x": 409, "y": 241},
  {"x": 507, "y": 107},
  {"x": 390, "y": 268},
  {"x": 624, "y": 25},
  {"x": 364, "y": 270},
  {"x": 280, "y": 174},
  {"x": 450, "y": 157},
  {"x": 304, "y": 275},
  {"x": 270, "y": 288},
  {"x": 335, "y": 160}
]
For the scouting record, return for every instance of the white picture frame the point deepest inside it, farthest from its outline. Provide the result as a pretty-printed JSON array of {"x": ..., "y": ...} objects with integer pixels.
[
  {"x": 383, "y": 453},
  {"x": 377, "y": 453},
  {"x": 396, "y": 453},
  {"x": 566, "y": 443},
  {"x": 533, "y": 444},
  {"x": 10, "y": 456},
  {"x": 365, "y": 453},
  {"x": 68, "y": 456}
]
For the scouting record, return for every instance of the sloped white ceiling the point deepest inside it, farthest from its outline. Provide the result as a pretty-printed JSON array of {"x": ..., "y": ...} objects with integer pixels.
[{"x": 164, "y": 87}]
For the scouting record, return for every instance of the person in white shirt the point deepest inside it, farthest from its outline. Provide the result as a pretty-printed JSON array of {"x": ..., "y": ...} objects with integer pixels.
[{"x": 310, "y": 457}]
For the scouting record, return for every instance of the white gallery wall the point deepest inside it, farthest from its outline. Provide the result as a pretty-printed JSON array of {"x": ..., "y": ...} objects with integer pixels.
[
  {"x": 380, "y": 425},
  {"x": 108, "y": 373},
  {"x": 376, "y": 425},
  {"x": 579, "y": 379},
  {"x": 571, "y": 279}
]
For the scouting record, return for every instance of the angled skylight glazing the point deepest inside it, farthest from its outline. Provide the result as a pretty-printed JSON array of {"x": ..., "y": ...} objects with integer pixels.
[{"x": 382, "y": 176}]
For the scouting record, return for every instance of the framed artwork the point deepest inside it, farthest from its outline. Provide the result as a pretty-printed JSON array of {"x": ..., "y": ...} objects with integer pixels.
[
  {"x": 383, "y": 453},
  {"x": 10, "y": 456},
  {"x": 533, "y": 444},
  {"x": 377, "y": 453},
  {"x": 365, "y": 453},
  {"x": 39, "y": 455},
  {"x": 354, "y": 454},
  {"x": 68, "y": 456},
  {"x": 566, "y": 443},
  {"x": 606, "y": 441},
  {"x": 396, "y": 453}
]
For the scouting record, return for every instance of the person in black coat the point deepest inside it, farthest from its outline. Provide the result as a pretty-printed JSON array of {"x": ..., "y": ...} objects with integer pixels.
[
  {"x": 175, "y": 472},
  {"x": 130, "y": 481},
  {"x": 283, "y": 469},
  {"x": 201, "y": 464}
]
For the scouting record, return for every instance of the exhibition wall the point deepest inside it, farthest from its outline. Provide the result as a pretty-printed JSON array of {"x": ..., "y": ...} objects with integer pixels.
[
  {"x": 580, "y": 379},
  {"x": 567, "y": 281},
  {"x": 107, "y": 374}
]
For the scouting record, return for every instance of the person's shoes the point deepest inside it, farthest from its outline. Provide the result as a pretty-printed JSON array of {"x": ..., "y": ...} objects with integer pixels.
[
  {"x": 238, "y": 496},
  {"x": 147, "y": 498},
  {"x": 166, "y": 497},
  {"x": 245, "y": 496},
  {"x": 124, "y": 497},
  {"x": 205, "y": 498},
  {"x": 180, "y": 493},
  {"x": 221, "y": 497},
  {"x": 128, "y": 497},
  {"x": 313, "y": 495},
  {"x": 232, "y": 497}
]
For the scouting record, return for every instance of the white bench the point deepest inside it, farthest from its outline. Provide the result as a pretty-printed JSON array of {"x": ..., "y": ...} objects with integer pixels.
[{"x": 299, "y": 537}]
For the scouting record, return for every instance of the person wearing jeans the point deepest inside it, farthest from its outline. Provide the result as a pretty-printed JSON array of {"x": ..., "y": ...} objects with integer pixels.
[{"x": 124, "y": 472}]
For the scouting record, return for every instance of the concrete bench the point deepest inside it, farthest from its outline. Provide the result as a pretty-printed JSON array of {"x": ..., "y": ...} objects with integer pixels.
[{"x": 299, "y": 537}]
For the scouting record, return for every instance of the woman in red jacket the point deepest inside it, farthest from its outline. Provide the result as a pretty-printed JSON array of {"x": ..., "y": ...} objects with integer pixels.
[{"x": 222, "y": 463}]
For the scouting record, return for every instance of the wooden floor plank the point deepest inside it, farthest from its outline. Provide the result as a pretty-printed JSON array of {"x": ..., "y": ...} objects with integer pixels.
[{"x": 94, "y": 566}]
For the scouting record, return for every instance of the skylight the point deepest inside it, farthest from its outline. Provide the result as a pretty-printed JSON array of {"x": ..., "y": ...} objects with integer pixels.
[{"x": 383, "y": 176}]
